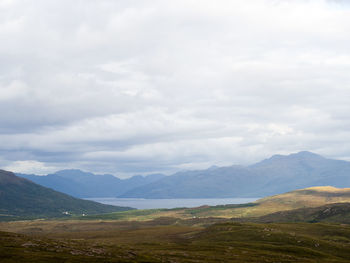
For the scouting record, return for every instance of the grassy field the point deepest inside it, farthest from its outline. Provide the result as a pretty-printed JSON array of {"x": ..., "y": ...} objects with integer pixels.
[{"x": 172, "y": 240}]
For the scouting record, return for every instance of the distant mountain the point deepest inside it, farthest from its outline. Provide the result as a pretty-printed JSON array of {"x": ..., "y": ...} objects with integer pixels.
[
  {"x": 83, "y": 184},
  {"x": 20, "y": 197},
  {"x": 272, "y": 176},
  {"x": 275, "y": 175}
]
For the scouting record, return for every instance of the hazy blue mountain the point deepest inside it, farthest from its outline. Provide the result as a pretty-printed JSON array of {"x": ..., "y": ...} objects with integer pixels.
[
  {"x": 20, "y": 197},
  {"x": 83, "y": 184},
  {"x": 275, "y": 175}
]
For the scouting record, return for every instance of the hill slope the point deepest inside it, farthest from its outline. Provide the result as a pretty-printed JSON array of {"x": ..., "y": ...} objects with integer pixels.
[
  {"x": 331, "y": 213},
  {"x": 275, "y": 175},
  {"x": 302, "y": 198},
  {"x": 22, "y": 198}
]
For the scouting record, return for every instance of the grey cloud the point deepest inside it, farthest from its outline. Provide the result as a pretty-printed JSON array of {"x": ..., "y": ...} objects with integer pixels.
[{"x": 126, "y": 87}]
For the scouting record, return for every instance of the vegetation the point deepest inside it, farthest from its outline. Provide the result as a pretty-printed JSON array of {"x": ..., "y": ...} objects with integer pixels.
[
  {"x": 334, "y": 213},
  {"x": 169, "y": 240}
]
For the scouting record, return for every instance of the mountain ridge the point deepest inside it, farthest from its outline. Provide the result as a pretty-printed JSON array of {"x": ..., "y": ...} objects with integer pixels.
[
  {"x": 274, "y": 175},
  {"x": 88, "y": 185}
]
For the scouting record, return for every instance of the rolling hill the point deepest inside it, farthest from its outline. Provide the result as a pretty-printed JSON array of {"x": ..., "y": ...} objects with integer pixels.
[
  {"x": 307, "y": 198},
  {"x": 303, "y": 198},
  {"x": 21, "y": 198},
  {"x": 331, "y": 213}
]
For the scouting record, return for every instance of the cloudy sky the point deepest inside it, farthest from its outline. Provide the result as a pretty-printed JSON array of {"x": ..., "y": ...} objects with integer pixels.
[{"x": 129, "y": 87}]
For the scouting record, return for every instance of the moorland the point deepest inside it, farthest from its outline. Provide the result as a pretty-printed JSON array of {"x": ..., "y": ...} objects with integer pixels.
[
  {"x": 173, "y": 240},
  {"x": 307, "y": 225}
]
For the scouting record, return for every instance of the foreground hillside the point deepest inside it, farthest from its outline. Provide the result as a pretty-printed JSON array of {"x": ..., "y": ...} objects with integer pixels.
[
  {"x": 168, "y": 240},
  {"x": 21, "y": 198},
  {"x": 331, "y": 213}
]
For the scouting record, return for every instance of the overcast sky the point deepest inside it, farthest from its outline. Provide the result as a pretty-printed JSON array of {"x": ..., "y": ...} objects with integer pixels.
[{"x": 130, "y": 87}]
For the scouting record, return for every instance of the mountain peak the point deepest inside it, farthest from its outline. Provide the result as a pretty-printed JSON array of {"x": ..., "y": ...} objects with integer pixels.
[
  {"x": 302, "y": 154},
  {"x": 306, "y": 154},
  {"x": 299, "y": 156}
]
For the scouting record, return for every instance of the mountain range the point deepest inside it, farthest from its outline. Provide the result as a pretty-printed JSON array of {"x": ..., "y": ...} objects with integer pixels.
[
  {"x": 278, "y": 174},
  {"x": 21, "y": 198},
  {"x": 275, "y": 175},
  {"x": 84, "y": 184}
]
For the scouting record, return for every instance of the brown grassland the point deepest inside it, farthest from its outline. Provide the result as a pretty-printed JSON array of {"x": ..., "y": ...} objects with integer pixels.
[
  {"x": 204, "y": 234},
  {"x": 169, "y": 240}
]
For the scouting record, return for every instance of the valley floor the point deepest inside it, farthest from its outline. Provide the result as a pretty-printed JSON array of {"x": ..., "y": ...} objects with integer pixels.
[{"x": 172, "y": 240}]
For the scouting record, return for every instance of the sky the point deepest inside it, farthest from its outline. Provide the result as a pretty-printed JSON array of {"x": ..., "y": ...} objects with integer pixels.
[{"x": 140, "y": 87}]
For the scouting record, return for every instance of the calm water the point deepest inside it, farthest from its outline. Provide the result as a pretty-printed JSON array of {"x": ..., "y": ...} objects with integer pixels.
[{"x": 170, "y": 203}]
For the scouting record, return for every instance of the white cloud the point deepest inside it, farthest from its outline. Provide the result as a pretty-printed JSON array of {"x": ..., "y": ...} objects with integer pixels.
[
  {"x": 30, "y": 167},
  {"x": 124, "y": 87},
  {"x": 13, "y": 91}
]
